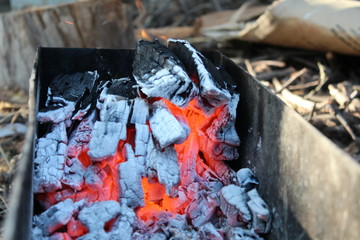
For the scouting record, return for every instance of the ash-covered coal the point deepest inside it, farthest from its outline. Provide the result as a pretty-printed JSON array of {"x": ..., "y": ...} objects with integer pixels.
[{"x": 146, "y": 158}]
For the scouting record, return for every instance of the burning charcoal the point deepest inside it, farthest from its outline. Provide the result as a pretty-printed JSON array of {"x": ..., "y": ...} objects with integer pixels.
[
  {"x": 74, "y": 174},
  {"x": 123, "y": 225},
  {"x": 115, "y": 111},
  {"x": 161, "y": 74},
  {"x": 105, "y": 138},
  {"x": 234, "y": 196},
  {"x": 166, "y": 128},
  {"x": 247, "y": 179},
  {"x": 209, "y": 232},
  {"x": 140, "y": 111},
  {"x": 49, "y": 160},
  {"x": 94, "y": 177},
  {"x": 60, "y": 236},
  {"x": 217, "y": 150},
  {"x": 212, "y": 85},
  {"x": 56, "y": 114},
  {"x": 81, "y": 136},
  {"x": 123, "y": 87},
  {"x": 158, "y": 236},
  {"x": 238, "y": 233},
  {"x": 95, "y": 216},
  {"x": 71, "y": 87},
  {"x": 164, "y": 164},
  {"x": 261, "y": 218},
  {"x": 130, "y": 180},
  {"x": 55, "y": 217},
  {"x": 201, "y": 209},
  {"x": 141, "y": 139},
  {"x": 222, "y": 129}
]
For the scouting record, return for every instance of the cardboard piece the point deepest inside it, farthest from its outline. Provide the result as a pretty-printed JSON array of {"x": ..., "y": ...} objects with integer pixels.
[{"x": 325, "y": 25}]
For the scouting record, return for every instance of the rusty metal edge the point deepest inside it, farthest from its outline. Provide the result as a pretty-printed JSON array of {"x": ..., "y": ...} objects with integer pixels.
[
  {"x": 311, "y": 184},
  {"x": 19, "y": 218}
]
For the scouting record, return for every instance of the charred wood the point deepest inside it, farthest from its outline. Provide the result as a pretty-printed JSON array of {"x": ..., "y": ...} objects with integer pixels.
[{"x": 161, "y": 74}]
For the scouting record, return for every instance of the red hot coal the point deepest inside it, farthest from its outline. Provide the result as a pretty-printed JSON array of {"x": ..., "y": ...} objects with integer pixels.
[{"x": 145, "y": 157}]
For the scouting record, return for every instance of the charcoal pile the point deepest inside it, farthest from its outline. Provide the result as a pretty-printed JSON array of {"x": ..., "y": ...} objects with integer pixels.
[{"x": 145, "y": 156}]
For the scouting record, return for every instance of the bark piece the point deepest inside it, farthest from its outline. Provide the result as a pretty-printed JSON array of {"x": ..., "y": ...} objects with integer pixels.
[
  {"x": 166, "y": 129},
  {"x": 161, "y": 74},
  {"x": 105, "y": 138}
]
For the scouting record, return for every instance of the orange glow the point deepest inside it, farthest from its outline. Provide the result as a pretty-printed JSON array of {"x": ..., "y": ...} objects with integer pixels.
[
  {"x": 68, "y": 22},
  {"x": 146, "y": 36},
  {"x": 139, "y": 5},
  {"x": 194, "y": 163}
]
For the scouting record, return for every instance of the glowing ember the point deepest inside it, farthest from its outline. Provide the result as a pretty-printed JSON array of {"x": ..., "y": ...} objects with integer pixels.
[{"x": 145, "y": 167}]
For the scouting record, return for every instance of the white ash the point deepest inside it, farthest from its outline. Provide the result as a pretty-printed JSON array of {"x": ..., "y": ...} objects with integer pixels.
[
  {"x": 54, "y": 218},
  {"x": 81, "y": 136},
  {"x": 130, "y": 180},
  {"x": 165, "y": 127},
  {"x": 164, "y": 165},
  {"x": 95, "y": 216},
  {"x": 140, "y": 111},
  {"x": 142, "y": 136},
  {"x": 105, "y": 139},
  {"x": 94, "y": 177},
  {"x": 81, "y": 113},
  {"x": 238, "y": 233},
  {"x": 209, "y": 232},
  {"x": 74, "y": 174},
  {"x": 123, "y": 226},
  {"x": 261, "y": 218},
  {"x": 247, "y": 179},
  {"x": 222, "y": 129},
  {"x": 161, "y": 74},
  {"x": 115, "y": 111},
  {"x": 49, "y": 160},
  {"x": 201, "y": 209},
  {"x": 214, "y": 95},
  {"x": 60, "y": 236},
  {"x": 57, "y": 115},
  {"x": 235, "y": 196}
]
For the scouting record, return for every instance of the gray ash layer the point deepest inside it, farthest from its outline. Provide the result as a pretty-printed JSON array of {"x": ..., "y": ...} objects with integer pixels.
[{"x": 111, "y": 119}]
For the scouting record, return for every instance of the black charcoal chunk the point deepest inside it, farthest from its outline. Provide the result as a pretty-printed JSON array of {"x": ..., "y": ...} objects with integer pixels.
[
  {"x": 71, "y": 87},
  {"x": 160, "y": 73},
  {"x": 214, "y": 89},
  {"x": 124, "y": 87}
]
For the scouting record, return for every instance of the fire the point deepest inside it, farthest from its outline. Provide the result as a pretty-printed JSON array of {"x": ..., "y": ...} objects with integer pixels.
[
  {"x": 68, "y": 22},
  {"x": 145, "y": 35}
]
